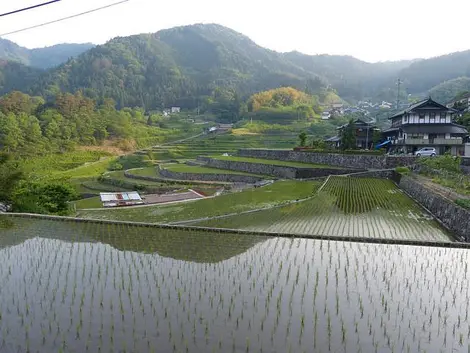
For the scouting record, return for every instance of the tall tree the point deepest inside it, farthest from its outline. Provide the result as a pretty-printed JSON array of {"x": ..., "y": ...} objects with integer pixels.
[{"x": 348, "y": 136}]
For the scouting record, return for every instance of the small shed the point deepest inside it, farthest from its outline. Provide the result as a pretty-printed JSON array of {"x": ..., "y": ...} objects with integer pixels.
[{"x": 116, "y": 199}]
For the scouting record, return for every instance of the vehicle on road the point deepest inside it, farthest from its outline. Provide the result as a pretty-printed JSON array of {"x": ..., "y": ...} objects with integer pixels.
[{"x": 426, "y": 151}]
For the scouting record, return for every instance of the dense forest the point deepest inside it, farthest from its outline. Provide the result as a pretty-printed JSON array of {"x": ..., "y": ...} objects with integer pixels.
[
  {"x": 185, "y": 66},
  {"x": 30, "y": 126}
]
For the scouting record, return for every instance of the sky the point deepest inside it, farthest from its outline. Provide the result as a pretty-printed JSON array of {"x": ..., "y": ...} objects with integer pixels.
[{"x": 370, "y": 30}]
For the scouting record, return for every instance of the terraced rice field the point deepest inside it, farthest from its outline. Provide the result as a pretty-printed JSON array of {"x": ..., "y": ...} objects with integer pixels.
[
  {"x": 354, "y": 207},
  {"x": 84, "y": 287},
  {"x": 274, "y": 162},
  {"x": 184, "y": 168},
  {"x": 220, "y": 144}
]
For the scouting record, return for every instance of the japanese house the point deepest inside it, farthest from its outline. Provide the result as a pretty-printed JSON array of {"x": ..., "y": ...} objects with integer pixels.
[{"x": 426, "y": 124}]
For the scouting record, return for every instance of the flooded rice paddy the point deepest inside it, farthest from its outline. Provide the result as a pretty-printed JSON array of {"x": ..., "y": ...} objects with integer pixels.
[
  {"x": 84, "y": 287},
  {"x": 351, "y": 207}
]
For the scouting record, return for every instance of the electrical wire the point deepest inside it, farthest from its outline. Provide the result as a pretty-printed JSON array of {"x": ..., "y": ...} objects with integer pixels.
[
  {"x": 64, "y": 18},
  {"x": 29, "y": 8}
]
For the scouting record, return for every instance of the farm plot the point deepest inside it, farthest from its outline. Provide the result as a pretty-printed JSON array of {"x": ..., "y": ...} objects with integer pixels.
[
  {"x": 355, "y": 207},
  {"x": 70, "y": 287}
]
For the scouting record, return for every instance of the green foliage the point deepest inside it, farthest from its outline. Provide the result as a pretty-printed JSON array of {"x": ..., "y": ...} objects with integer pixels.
[
  {"x": 303, "y": 138},
  {"x": 10, "y": 176},
  {"x": 448, "y": 90},
  {"x": 402, "y": 170},
  {"x": 44, "y": 198},
  {"x": 6, "y": 223},
  {"x": 348, "y": 136},
  {"x": 132, "y": 161},
  {"x": 446, "y": 162},
  {"x": 465, "y": 203}
]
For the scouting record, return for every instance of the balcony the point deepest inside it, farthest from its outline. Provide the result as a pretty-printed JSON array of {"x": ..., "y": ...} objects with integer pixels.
[
  {"x": 448, "y": 142},
  {"x": 427, "y": 142}
]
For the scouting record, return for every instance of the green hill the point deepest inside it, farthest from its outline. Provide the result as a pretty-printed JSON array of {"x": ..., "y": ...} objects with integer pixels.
[
  {"x": 173, "y": 67},
  {"x": 193, "y": 65},
  {"x": 446, "y": 91},
  {"x": 41, "y": 58}
]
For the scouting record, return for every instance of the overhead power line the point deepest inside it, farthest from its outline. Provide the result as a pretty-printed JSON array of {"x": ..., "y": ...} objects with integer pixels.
[
  {"x": 29, "y": 8},
  {"x": 65, "y": 18}
]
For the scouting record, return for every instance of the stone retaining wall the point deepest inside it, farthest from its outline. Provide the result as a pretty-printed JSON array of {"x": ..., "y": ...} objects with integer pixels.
[
  {"x": 381, "y": 174},
  {"x": 231, "y": 178},
  {"x": 333, "y": 159},
  {"x": 451, "y": 215},
  {"x": 274, "y": 170},
  {"x": 127, "y": 174}
]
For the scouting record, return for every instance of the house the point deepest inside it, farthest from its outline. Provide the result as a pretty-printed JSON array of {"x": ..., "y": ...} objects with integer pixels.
[
  {"x": 115, "y": 199},
  {"x": 364, "y": 132},
  {"x": 426, "y": 124},
  {"x": 325, "y": 116},
  {"x": 175, "y": 110}
]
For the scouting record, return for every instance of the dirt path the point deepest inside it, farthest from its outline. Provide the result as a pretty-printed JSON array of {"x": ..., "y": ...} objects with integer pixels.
[{"x": 440, "y": 189}]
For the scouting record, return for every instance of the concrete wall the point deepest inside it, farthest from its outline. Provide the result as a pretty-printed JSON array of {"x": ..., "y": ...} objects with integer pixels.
[
  {"x": 273, "y": 170},
  {"x": 454, "y": 217},
  {"x": 231, "y": 178},
  {"x": 340, "y": 160}
]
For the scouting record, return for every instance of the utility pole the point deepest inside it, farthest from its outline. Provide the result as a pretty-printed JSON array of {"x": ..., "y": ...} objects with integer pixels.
[{"x": 399, "y": 82}]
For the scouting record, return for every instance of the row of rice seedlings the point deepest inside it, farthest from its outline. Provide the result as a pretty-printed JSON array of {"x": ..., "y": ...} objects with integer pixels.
[{"x": 280, "y": 295}]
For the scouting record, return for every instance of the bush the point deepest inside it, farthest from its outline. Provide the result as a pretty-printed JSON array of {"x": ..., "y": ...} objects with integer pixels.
[
  {"x": 402, "y": 170},
  {"x": 446, "y": 162},
  {"x": 465, "y": 203}
]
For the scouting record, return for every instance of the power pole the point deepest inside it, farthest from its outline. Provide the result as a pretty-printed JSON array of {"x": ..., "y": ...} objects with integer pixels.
[{"x": 399, "y": 82}]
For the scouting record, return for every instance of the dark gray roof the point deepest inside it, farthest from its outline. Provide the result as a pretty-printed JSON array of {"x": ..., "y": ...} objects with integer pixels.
[
  {"x": 435, "y": 129},
  {"x": 419, "y": 104},
  {"x": 392, "y": 129}
]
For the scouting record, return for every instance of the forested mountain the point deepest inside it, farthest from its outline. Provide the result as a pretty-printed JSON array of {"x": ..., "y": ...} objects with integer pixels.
[
  {"x": 423, "y": 75},
  {"x": 193, "y": 66},
  {"x": 16, "y": 76},
  {"x": 351, "y": 77},
  {"x": 181, "y": 66},
  {"x": 446, "y": 91},
  {"x": 42, "y": 58}
]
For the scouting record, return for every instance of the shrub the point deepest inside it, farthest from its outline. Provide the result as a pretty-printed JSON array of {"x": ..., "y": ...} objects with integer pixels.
[
  {"x": 446, "y": 162},
  {"x": 402, "y": 170},
  {"x": 465, "y": 203}
]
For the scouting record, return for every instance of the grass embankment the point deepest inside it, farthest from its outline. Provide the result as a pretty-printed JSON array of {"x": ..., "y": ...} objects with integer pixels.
[
  {"x": 184, "y": 168},
  {"x": 92, "y": 202},
  {"x": 273, "y": 162},
  {"x": 271, "y": 195}
]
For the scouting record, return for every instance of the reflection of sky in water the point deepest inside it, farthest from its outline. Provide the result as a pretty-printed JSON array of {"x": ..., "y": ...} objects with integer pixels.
[{"x": 277, "y": 295}]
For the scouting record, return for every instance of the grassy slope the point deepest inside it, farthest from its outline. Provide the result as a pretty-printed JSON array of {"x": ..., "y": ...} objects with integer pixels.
[
  {"x": 93, "y": 202},
  {"x": 184, "y": 168},
  {"x": 273, "y": 162},
  {"x": 237, "y": 202}
]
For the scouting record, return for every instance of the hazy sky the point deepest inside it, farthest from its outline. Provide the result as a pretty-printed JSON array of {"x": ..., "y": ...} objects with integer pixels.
[{"x": 371, "y": 30}]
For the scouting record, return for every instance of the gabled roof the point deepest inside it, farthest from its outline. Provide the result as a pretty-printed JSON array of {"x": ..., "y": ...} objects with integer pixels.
[
  {"x": 420, "y": 104},
  {"x": 357, "y": 122}
]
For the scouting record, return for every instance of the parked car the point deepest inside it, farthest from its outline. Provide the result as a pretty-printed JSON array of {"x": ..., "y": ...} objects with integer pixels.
[{"x": 426, "y": 151}]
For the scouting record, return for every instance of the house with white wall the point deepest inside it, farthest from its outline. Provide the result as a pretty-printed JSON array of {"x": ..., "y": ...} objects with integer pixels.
[{"x": 426, "y": 124}]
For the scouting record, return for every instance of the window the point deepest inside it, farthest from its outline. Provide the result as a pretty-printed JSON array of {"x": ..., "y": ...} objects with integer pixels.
[
  {"x": 432, "y": 118},
  {"x": 405, "y": 119},
  {"x": 417, "y": 136},
  {"x": 421, "y": 118},
  {"x": 443, "y": 117}
]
